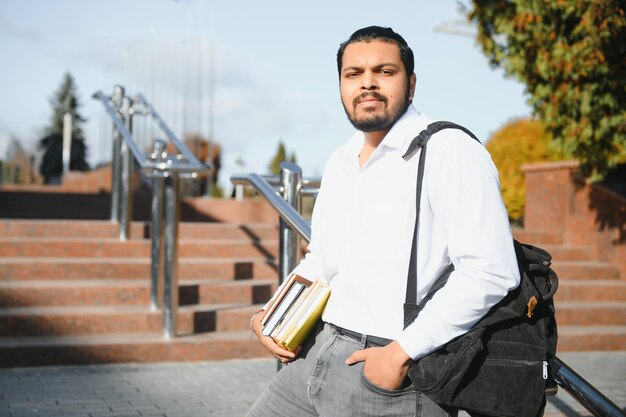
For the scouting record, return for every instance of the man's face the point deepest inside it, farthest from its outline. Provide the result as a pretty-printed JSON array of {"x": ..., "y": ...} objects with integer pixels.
[{"x": 375, "y": 90}]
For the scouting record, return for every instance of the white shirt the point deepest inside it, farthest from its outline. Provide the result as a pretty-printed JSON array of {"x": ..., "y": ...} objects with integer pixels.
[{"x": 362, "y": 228}]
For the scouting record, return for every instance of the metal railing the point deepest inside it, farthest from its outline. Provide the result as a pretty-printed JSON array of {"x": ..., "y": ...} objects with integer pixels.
[
  {"x": 286, "y": 200},
  {"x": 291, "y": 178},
  {"x": 165, "y": 171}
]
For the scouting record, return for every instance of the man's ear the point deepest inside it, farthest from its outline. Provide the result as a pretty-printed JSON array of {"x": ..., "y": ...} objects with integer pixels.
[{"x": 412, "y": 82}]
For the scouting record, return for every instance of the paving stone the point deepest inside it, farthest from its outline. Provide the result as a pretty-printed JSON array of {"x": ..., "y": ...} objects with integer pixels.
[{"x": 219, "y": 389}]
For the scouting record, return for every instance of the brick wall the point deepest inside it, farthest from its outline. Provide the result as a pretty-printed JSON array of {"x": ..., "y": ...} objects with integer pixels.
[{"x": 559, "y": 199}]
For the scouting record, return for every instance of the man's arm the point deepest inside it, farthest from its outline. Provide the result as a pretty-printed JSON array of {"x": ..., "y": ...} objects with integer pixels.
[{"x": 461, "y": 188}]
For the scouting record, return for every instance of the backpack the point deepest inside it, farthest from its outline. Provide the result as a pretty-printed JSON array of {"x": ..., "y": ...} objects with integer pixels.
[{"x": 501, "y": 366}]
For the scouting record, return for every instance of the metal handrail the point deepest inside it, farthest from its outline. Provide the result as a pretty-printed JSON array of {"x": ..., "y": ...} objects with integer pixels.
[
  {"x": 286, "y": 212},
  {"x": 188, "y": 164},
  {"x": 586, "y": 394},
  {"x": 165, "y": 171},
  {"x": 575, "y": 385}
]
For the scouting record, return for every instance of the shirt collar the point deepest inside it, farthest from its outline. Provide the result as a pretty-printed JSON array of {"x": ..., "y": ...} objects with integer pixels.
[
  {"x": 403, "y": 131},
  {"x": 399, "y": 136}
]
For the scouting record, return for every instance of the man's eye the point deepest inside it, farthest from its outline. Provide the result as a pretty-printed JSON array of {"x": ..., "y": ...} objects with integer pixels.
[
  {"x": 386, "y": 72},
  {"x": 352, "y": 75}
]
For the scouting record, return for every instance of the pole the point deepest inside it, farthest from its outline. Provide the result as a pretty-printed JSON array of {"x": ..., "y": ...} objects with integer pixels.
[
  {"x": 126, "y": 191},
  {"x": 170, "y": 295},
  {"x": 67, "y": 141},
  {"x": 291, "y": 181},
  {"x": 116, "y": 165},
  {"x": 156, "y": 265}
]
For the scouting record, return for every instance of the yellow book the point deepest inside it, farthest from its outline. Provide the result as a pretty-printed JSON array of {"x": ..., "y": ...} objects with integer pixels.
[{"x": 301, "y": 326}]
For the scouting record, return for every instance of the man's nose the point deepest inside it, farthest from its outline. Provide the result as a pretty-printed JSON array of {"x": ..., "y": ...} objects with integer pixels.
[{"x": 369, "y": 82}]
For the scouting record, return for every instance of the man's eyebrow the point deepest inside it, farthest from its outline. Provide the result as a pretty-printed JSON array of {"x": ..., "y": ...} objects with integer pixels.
[
  {"x": 352, "y": 68},
  {"x": 377, "y": 67},
  {"x": 389, "y": 64}
]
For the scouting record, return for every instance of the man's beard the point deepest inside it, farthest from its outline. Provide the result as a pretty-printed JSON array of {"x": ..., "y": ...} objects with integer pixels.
[{"x": 378, "y": 122}]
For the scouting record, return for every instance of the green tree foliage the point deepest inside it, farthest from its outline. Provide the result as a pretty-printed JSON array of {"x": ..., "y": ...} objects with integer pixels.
[
  {"x": 571, "y": 54},
  {"x": 281, "y": 155},
  {"x": 516, "y": 143},
  {"x": 63, "y": 101}
]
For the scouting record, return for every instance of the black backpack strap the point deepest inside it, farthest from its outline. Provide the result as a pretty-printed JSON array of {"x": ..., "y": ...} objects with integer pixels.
[{"x": 411, "y": 309}]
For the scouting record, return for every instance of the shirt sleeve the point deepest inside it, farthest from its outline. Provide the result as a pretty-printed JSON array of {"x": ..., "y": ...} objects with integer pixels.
[{"x": 462, "y": 190}]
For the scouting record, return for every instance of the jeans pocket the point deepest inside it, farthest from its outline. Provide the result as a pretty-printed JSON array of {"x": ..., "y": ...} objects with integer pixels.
[{"x": 405, "y": 389}]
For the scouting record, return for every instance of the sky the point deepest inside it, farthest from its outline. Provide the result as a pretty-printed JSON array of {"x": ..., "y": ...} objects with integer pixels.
[{"x": 248, "y": 73}]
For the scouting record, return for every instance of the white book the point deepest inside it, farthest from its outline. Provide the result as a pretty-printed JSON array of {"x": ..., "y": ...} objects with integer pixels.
[{"x": 277, "y": 316}]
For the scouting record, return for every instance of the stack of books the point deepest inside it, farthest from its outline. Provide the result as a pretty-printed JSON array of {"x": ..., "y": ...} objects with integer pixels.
[{"x": 293, "y": 311}]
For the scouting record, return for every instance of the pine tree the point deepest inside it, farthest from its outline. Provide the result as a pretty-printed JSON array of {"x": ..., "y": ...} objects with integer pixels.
[
  {"x": 64, "y": 100},
  {"x": 281, "y": 155}
]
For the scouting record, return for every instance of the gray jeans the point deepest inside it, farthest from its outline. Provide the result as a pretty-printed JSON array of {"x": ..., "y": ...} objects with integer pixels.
[{"x": 320, "y": 384}]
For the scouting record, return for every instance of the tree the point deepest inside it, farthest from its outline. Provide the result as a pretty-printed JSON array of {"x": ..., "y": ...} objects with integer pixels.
[
  {"x": 517, "y": 143},
  {"x": 281, "y": 155},
  {"x": 63, "y": 101},
  {"x": 570, "y": 54}
]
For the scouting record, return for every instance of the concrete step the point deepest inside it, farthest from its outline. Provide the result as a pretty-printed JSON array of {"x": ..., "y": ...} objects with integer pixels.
[
  {"x": 585, "y": 270},
  {"x": 129, "y": 347},
  {"x": 537, "y": 237},
  {"x": 575, "y": 313},
  {"x": 590, "y": 338},
  {"x": 46, "y": 293},
  {"x": 92, "y": 320},
  {"x": 591, "y": 290},
  {"x": 133, "y": 268},
  {"x": 111, "y": 247},
  {"x": 139, "y": 230}
]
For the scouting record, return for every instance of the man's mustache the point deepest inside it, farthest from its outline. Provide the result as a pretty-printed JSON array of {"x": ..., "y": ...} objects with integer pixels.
[{"x": 373, "y": 94}]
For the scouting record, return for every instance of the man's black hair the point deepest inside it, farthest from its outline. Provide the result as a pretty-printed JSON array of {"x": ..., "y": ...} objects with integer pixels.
[{"x": 379, "y": 33}]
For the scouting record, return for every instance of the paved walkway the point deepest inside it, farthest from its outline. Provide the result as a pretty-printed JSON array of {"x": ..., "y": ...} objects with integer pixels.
[{"x": 224, "y": 389}]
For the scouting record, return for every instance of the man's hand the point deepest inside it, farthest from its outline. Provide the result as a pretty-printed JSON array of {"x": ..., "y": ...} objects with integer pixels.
[
  {"x": 385, "y": 367},
  {"x": 279, "y": 352}
]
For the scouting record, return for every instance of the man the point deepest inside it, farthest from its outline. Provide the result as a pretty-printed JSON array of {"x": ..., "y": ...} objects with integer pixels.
[{"x": 356, "y": 363}]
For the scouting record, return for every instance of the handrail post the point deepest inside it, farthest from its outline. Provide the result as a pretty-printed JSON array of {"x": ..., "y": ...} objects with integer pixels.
[
  {"x": 116, "y": 165},
  {"x": 170, "y": 293},
  {"x": 156, "y": 265},
  {"x": 126, "y": 189},
  {"x": 291, "y": 182}
]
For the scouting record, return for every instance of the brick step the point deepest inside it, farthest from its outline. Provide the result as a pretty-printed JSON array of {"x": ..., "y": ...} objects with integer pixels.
[
  {"x": 111, "y": 247},
  {"x": 143, "y": 348},
  {"x": 537, "y": 237},
  {"x": 133, "y": 268},
  {"x": 590, "y": 338},
  {"x": 124, "y": 348},
  {"x": 585, "y": 270},
  {"x": 91, "y": 320},
  {"x": 573, "y": 313},
  {"x": 129, "y": 292},
  {"x": 568, "y": 253},
  {"x": 591, "y": 290},
  {"x": 68, "y": 228},
  {"x": 139, "y": 230}
]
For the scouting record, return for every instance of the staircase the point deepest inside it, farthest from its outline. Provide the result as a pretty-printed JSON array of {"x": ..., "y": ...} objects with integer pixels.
[
  {"x": 71, "y": 292},
  {"x": 591, "y": 299}
]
